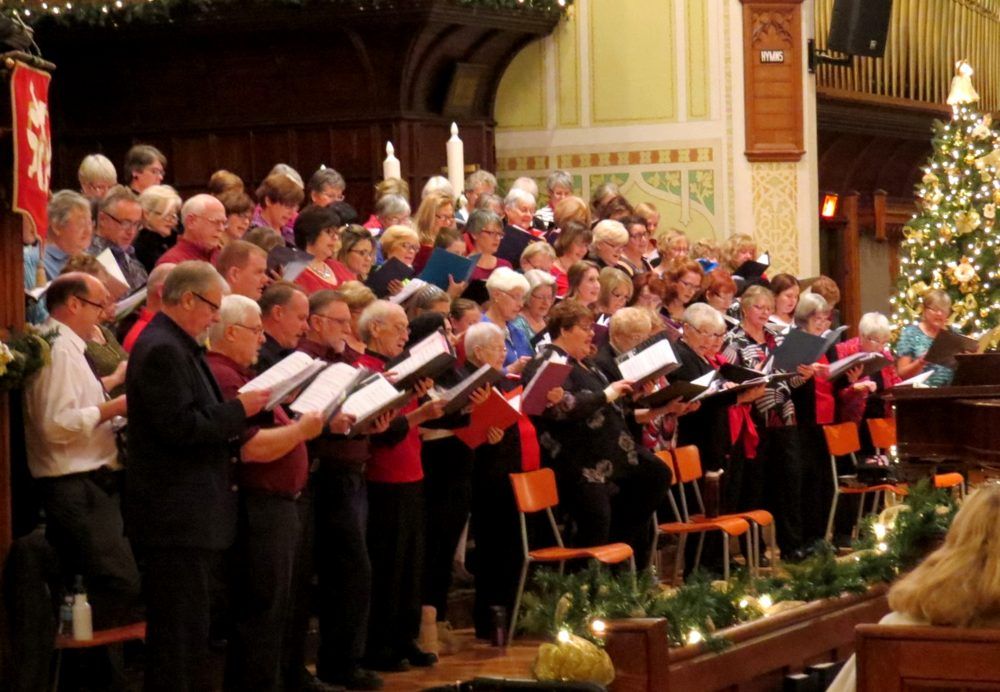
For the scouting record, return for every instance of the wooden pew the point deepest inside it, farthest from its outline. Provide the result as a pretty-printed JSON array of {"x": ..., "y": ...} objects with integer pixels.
[{"x": 894, "y": 658}]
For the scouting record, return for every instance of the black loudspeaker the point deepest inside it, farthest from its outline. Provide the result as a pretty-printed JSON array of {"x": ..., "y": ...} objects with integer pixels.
[{"x": 859, "y": 27}]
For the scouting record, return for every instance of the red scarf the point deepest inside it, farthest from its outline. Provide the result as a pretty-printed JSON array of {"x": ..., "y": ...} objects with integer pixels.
[{"x": 740, "y": 421}]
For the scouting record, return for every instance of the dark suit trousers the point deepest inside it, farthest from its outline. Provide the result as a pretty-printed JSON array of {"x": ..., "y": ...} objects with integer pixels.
[
  {"x": 268, "y": 537},
  {"x": 345, "y": 572},
  {"x": 180, "y": 583},
  {"x": 396, "y": 547},
  {"x": 447, "y": 495},
  {"x": 84, "y": 525}
]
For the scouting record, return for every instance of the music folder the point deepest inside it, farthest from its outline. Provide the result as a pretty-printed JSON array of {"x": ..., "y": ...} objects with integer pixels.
[
  {"x": 648, "y": 361},
  {"x": 802, "y": 348},
  {"x": 391, "y": 270},
  {"x": 328, "y": 389},
  {"x": 682, "y": 389},
  {"x": 429, "y": 357},
  {"x": 443, "y": 264},
  {"x": 284, "y": 377},
  {"x": 947, "y": 345},
  {"x": 373, "y": 397},
  {"x": 871, "y": 362},
  {"x": 551, "y": 374},
  {"x": 496, "y": 412},
  {"x": 459, "y": 395}
]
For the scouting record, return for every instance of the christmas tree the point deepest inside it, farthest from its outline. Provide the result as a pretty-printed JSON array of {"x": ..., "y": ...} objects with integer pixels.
[{"x": 951, "y": 243}]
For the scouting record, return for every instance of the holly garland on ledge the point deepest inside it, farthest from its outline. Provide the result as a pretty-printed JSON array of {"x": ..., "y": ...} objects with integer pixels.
[
  {"x": 22, "y": 355},
  {"x": 893, "y": 542}
]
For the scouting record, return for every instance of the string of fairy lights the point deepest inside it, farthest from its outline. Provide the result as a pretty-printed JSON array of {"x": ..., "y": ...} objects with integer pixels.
[
  {"x": 951, "y": 243},
  {"x": 101, "y": 11}
]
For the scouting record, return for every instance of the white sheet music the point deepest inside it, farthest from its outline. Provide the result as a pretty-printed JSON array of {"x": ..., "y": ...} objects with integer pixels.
[
  {"x": 284, "y": 376},
  {"x": 110, "y": 265},
  {"x": 422, "y": 353},
  {"x": 370, "y": 398},
  {"x": 125, "y": 305},
  {"x": 647, "y": 361},
  {"x": 409, "y": 288},
  {"x": 325, "y": 390}
]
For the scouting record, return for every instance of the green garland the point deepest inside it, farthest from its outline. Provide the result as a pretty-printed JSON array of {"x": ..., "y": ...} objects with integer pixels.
[
  {"x": 22, "y": 356},
  {"x": 700, "y": 607},
  {"x": 119, "y": 12}
]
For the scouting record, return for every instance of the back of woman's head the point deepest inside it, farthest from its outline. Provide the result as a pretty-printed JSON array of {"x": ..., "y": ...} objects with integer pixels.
[{"x": 959, "y": 583}]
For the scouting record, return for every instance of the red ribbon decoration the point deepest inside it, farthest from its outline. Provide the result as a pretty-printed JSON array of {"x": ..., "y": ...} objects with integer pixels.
[{"x": 29, "y": 96}]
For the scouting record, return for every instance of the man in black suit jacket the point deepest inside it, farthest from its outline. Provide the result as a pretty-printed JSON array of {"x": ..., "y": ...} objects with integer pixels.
[{"x": 181, "y": 502}]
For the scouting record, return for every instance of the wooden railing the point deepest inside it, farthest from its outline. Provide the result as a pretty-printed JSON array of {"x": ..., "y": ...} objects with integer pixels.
[{"x": 926, "y": 38}]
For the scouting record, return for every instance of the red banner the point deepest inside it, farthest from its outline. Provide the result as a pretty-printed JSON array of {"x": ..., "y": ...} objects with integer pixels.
[{"x": 29, "y": 96}]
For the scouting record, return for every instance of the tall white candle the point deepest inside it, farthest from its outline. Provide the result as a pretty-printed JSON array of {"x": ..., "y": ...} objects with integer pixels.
[
  {"x": 390, "y": 167},
  {"x": 456, "y": 161}
]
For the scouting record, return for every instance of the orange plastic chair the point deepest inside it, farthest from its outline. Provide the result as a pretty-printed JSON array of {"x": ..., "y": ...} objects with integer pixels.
[
  {"x": 687, "y": 466},
  {"x": 114, "y": 635},
  {"x": 883, "y": 434},
  {"x": 842, "y": 440},
  {"x": 535, "y": 491},
  {"x": 686, "y": 525}
]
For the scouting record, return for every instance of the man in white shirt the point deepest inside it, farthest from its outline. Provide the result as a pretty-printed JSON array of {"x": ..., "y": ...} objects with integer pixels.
[{"x": 73, "y": 456}]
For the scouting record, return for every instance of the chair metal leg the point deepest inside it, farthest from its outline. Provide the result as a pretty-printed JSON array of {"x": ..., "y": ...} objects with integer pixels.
[
  {"x": 517, "y": 600},
  {"x": 678, "y": 556},
  {"x": 725, "y": 555},
  {"x": 861, "y": 513},
  {"x": 55, "y": 681},
  {"x": 697, "y": 554},
  {"x": 654, "y": 554},
  {"x": 833, "y": 513}
]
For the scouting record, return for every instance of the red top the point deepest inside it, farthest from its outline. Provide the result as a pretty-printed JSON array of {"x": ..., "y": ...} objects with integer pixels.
[
  {"x": 145, "y": 315},
  {"x": 286, "y": 475},
  {"x": 826, "y": 405},
  {"x": 480, "y": 274},
  {"x": 184, "y": 250},
  {"x": 423, "y": 255},
  {"x": 341, "y": 271},
  {"x": 401, "y": 462},
  {"x": 562, "y": 280},
  {"x": 311, "y": 282}
]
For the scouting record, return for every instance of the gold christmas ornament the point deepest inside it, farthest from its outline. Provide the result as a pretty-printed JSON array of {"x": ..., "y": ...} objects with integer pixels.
[
  {"x": 989, "y": 211},
  {"x": 946, "y": 232},
  {"x": 983, "y": 128},
  {"x": 967, "y": 221},
  {"x": 985, "y": 176},
  {"x": 929, "y": 179},
  {"x": 573, "y": 658},
  {"x": 963, "y": 272}
]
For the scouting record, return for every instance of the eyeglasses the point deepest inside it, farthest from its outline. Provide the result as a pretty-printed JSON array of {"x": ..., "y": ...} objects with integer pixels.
[
  {"x": 496, "y": 234},
  {"x": 172, "y": 216},
  {"x": 444, "y": 218},
  {"x": 122, "y": 222},
  {"x": 155, "y": 170},
  {"x": 690, "y": 285},
  {"x": 366, "y": 254},
  {"x": 412, "y": 247},
  {"x": 707, "y": 335},
  {"x": 221, "y": 223},
  {"x": 342, "y": 321},
  {"x": 513, "y": 296},
  {"x": 257, "y": 331},
  {"x": 612, "y": 246},
  {"x": 544, "y": 297},
  {"x": 399, "y": 328},
  {"x": 642, "y": 234},
  {"x": 99, "y": 306},
  {"x": 215, "y": 307}
]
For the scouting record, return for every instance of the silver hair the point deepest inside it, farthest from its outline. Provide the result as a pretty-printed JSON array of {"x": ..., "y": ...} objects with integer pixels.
[
  {"x": 631, "y": 321},
  {"x": 610, "y": 231},
  {"x": 481, "y": 334},
  {"x": 234, "y": 309},
  {"x": 874, "y": 324},
  {"x": 196, "y": 206},
  {"x": 516, "y": 195},
  {"x": 438, "y": 183},
  {"x": 506, "y": 279},
  {"x": 194, "y": 276},
  {"x": 376, "y": 312},
  {"x": 97, "y": 168},
  {"x": 809, "y": 304},
  {"x": 537, "y": 278},
  {"x": 159, "y": 199},
  {"x": 527, "y": 184},
  {"x": 703, "y": 316},
  {"x": 480, "y": 219},
  {"x": 289, "y": 172},
  {"x": 480, "y": 177},
  {"x": 392, "y": 205},
  {"x": 559, "y": 179},
  {"x": 64, "y": 203},
  {"x": 326, "y": 177}
]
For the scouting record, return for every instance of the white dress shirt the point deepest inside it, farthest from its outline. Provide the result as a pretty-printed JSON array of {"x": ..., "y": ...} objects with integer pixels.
[{"x": 61, "y": 415}]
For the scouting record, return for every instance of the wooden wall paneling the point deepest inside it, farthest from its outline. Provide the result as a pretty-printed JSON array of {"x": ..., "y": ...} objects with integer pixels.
[
  {"x": 268, "y": 148},
  {"x": 773, "y": 89},
  {"x": 849, "y": 265},
  {"x": 233, "y": 152},
  {"x": 192, "y": 160}
]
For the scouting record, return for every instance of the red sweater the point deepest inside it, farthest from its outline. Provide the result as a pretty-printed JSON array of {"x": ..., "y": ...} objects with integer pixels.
[
  {"x": 286, "y": 475},
  {"x": 399, "y": 463}
]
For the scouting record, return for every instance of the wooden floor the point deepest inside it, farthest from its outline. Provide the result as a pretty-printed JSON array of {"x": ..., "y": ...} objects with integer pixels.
[{"x": 479, "y": 659}]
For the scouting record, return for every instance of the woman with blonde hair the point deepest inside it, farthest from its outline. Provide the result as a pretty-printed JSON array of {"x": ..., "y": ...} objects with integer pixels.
[
  {"x": 958, "y": 585},
  {"x": 437, "y": 211},
  {"x": 916, "y": 339},
  {"x": 161, "y": 206}
]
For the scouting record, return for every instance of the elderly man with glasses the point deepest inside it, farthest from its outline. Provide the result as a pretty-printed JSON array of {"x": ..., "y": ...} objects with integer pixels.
[
  {"x": 204, "y": 220},
  {"x": 119, "y": 217}
]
